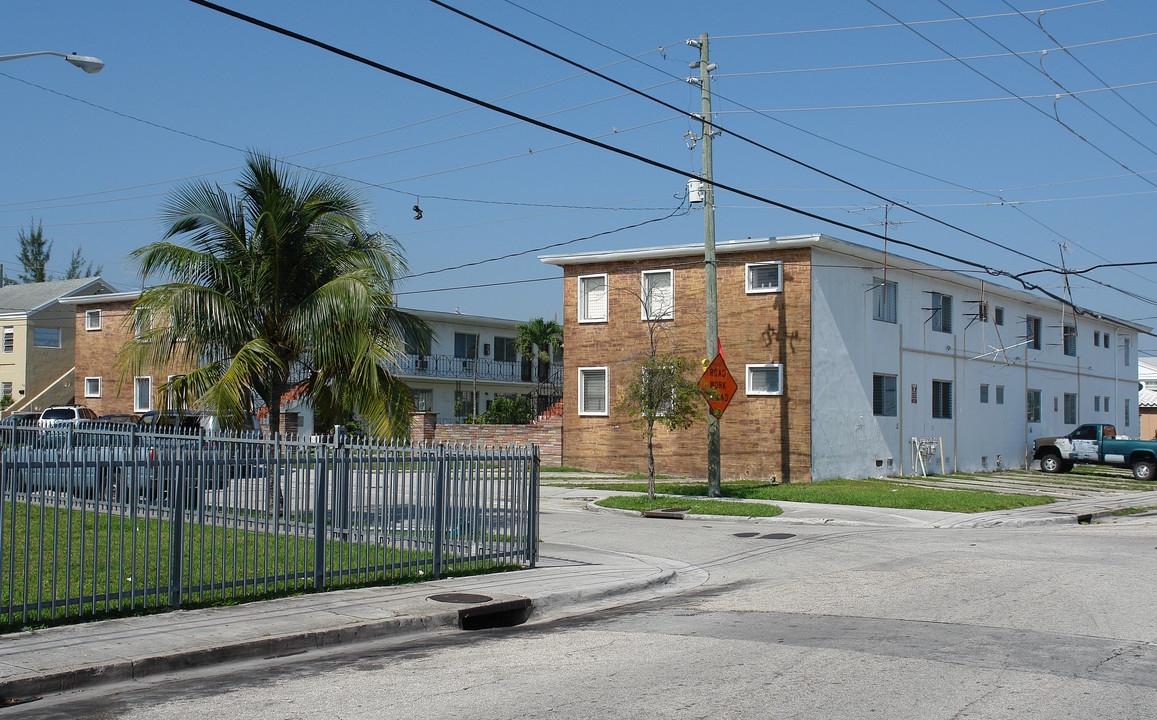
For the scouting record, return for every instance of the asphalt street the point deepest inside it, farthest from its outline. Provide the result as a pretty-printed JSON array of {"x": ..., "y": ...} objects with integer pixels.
[{"x": 795, "y": 621}]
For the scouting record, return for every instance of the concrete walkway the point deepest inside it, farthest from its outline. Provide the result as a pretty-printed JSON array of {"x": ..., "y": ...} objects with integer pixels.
[{"x": 568, "y": 579}]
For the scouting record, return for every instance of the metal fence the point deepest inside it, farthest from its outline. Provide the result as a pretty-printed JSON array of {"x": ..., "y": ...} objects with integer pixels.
[{"x": 97, "y": 522}]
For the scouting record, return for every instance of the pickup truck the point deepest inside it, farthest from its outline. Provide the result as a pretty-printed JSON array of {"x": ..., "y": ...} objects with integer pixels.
[{"x": 1096, "y": 445}]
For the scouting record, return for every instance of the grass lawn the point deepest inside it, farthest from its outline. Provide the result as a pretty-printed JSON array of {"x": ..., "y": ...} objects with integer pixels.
[
  {"x": 870, "y": 493},
  {"x": 694, "y": 506},
  {"x": 87, "y": 559}
]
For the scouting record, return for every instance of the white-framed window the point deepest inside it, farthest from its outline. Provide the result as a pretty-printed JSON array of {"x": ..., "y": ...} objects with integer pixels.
[
  {"x": 1069, "y": 339},
  {"x": 46, "y": 337},
  {"x": 1107, "y": 340},
  {"x": 942, "y": 399},
  {"x": 883, "y": 300},
  {"x": 1096, "y": 403},
  {"x": 1032, "y": 399},
  {"x": 655, "y": 398},
  {"x": 765, "y": 277},
  {"x": 658, "y": 290},
  {"x": 1127, "y": 346},
  {"x": 9, "y": 339},
  {"x": 592, "y": 298},
  {"x": 142, "y": 393},
  {"x": 1126, "y": 413},
  {"x": 92, "y": 320},
  {"x": 999, "y": 394},
  {"x": 1096, "y": 338},
  {"x": 142, "y": 324},
  {"x": 1032, "y": 332},
  {"x": 1106, "y": 403},
  {"x": 765, "y": 379},
  {"x": 884, "y": 395},
  {"x": 998, "y": 315},
  {"x": 983, "y": 393},
  {"x": 1070, "y": 408},
  {"x": 92, "y": 387},
  {"x": 941, "y": 312},
  {"x": 592, "y": 391},
  {"x": 6, "y": 390}
]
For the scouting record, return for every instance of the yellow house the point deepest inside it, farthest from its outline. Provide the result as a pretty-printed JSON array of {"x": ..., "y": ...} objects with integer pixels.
[{"x": 38, "y": 342}]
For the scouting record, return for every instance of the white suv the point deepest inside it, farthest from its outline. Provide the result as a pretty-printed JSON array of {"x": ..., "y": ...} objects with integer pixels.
[{"x": 64, "y": 415}]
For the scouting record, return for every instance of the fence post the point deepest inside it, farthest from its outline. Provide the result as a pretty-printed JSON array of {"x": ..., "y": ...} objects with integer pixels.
[
  {"x": 320, "y": 480},
  {"x": 341, "y": 480},
  {"x": 532, "y": 508},
  {"x": 439, "y": 510},
  {"x": 177, "y": 536}
]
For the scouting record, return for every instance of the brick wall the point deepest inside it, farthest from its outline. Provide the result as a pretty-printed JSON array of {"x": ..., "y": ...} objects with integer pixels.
[
  {"x": 546, "y": 432},
  {"x": 96, "y": 356},
  {"x": 762, "y": 436}
]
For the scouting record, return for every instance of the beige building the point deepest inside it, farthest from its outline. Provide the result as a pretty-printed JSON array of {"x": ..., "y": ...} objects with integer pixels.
[{"x": 38, "y": 342}]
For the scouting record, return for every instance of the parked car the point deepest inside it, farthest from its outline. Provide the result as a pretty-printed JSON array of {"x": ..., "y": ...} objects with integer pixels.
[
  {"x": 169, "y": 420},
  {"x": 18, "y": 428},
  {"x": 65, "y": 415},
  {"x": 121, "y": 418},
  {"x": 1096, "y": 444}
]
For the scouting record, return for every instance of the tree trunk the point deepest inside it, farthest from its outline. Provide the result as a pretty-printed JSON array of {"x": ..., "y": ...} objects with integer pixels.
[{"x": 650, "y": 461}]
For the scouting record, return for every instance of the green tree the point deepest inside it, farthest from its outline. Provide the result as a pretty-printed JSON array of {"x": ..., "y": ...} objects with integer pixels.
[
  {"x": 77, "y": 269},
  {"x": 536, "y": 339},
  {"x": 34, "y": 253},
  {"x": 280, "y": 287}
]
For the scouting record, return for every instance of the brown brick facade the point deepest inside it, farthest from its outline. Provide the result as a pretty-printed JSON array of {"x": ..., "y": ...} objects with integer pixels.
[
  {"x": 546, "y": 432},
  {"x": 762, "y": 436},
  {"x": 96, "y": 357}
]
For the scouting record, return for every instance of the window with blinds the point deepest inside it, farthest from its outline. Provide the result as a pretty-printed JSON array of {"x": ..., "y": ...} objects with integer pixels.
[
  {"x": 592, "y": 298},
  {"x": 658, "y": 295},
  {"x": 593, "y": 391}
]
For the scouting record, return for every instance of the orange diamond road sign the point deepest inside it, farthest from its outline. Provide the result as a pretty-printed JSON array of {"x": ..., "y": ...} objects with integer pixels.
[{"x": 718, "y": 378}]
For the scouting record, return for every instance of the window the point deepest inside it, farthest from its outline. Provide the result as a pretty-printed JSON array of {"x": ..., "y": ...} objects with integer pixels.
[
  {"x": 423, "y": 399},
  {"x": 1096, "y": 338},
  {"x": 1032, "y": 406},
  {"x": 6, "y": 390},
  {"x": 1106, "y": 339},
  {"x": 1096, "y": 403},
  {"x": 884, "y": 395},
  {"x": 883, "y": 300},
  {"x": 142, "y": 323},
  {"x": 764, "y": 277},
  {"x": 658, "y": 295},
  {"x": 999, "y": 394},
  {"x": 1126, "y": 413},
  {"x": 1032, "y": 332},
  {"x": 765, "y": 379},
  {"x": 941, "y": 313},
  {"x": 983, "y": 393},
  {"x": 942, "y": 399},
  {"x": 92, "y": 387},
  {"x": 46, "y": 337},
  {"x": 1070, "y": 409},
  {"x": 504, "y": 350},
  {"x": 998, "y": 315},
  {"x": 92, "y": 320},
  {"x": 592, "y": 298},
  {"x": 142, "y": 394},
  {"x": 655, "y": 398},
  {"x": 1127, "y": 342},
  {"x": 465, "y": 345},
  {"x": 1106, "y": 403},
  {"x": 463, "y": 403},
  {"x": 592, "y": 391},
  {"x": 9, "y": 339},
  {"x": 1069, "y": 338}
]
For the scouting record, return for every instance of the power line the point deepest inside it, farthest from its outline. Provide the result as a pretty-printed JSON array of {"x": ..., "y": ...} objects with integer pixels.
[
  {"x": 610, "y": 148},
  {"x": 944, "y": 50}
]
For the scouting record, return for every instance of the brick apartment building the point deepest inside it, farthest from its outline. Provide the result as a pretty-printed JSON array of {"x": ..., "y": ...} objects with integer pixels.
[
  {"x": 843, "y": 356},
  {"x": 103, "y": 327}
]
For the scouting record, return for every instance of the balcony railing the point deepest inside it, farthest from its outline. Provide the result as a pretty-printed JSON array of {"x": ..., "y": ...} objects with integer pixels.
[{"x": 448, "y": 366}]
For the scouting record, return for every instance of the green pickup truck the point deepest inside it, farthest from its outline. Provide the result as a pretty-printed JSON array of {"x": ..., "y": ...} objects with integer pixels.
[{"x": 1096, "y": 445}]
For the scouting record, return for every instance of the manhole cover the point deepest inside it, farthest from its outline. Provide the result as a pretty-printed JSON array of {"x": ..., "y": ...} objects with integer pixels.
[
  {"x": 776, "y": 536},
  {"x": 460, "y": 598}
]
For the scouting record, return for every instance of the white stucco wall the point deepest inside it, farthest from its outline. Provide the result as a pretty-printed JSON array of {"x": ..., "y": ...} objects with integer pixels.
[{"x": 849, "y": 346}]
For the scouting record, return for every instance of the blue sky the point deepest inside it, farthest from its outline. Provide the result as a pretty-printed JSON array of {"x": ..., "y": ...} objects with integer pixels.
[{"x": 990, "y": 142}]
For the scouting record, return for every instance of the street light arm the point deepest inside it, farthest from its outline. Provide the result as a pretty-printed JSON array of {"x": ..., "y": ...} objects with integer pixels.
[{"x": 84, "y": 62}]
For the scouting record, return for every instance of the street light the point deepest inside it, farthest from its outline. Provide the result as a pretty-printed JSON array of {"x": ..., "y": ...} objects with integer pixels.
[{"x": 84, "y": 62}]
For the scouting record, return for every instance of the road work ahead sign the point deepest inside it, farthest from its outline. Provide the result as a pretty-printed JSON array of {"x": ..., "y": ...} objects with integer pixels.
[{"x": 718, "y": 378}]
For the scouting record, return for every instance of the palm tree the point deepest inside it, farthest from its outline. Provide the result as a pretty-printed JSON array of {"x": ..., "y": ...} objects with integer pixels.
[
  {"x": 542, "y": 335},
  {"x": 279, "y": 288}
]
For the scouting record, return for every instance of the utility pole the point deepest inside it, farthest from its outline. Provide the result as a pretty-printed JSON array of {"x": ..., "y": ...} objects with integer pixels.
[{"x": 714, "y": 465}]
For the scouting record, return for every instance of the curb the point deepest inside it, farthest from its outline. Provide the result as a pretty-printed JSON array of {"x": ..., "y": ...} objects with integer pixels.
[{"x": 21, "y": 689}]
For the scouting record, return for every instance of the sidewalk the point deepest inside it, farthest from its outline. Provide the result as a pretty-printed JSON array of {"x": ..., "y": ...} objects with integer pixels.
[
  {"x": 568, "y": 577},
  {"x": 56, "y": 659}
]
